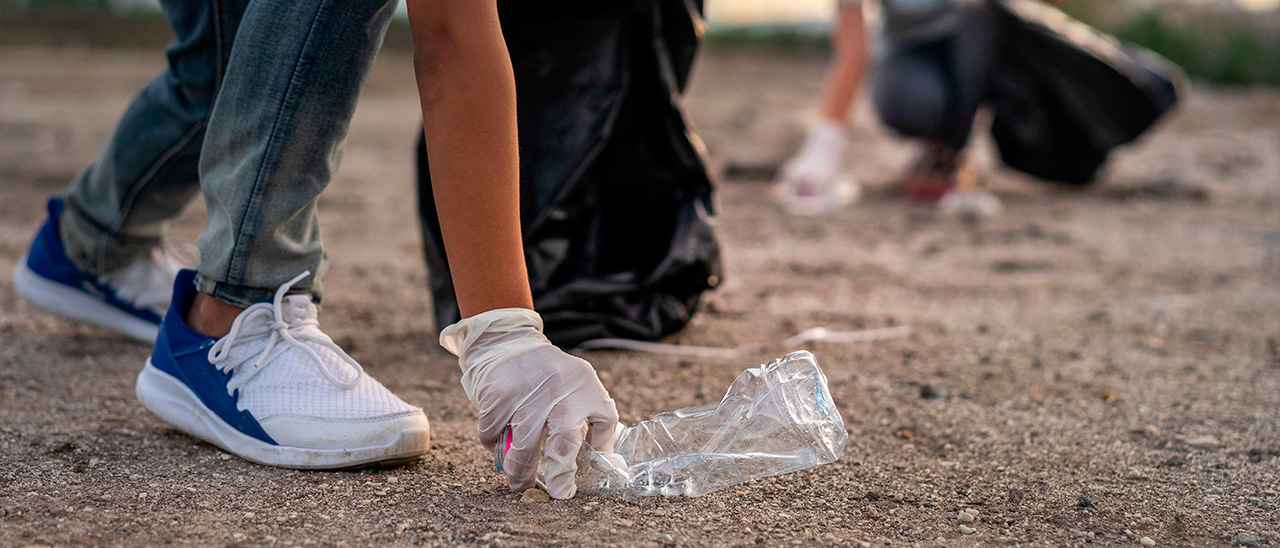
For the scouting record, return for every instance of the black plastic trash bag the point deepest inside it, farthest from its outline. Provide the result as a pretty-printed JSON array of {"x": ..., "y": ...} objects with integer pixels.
[
  {"x": 1067, "y": 95},
  {"x": 616, "y": 201}
]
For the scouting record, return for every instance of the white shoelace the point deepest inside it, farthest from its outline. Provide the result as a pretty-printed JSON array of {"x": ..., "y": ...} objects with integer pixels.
[{"x": 296, "y": 334}]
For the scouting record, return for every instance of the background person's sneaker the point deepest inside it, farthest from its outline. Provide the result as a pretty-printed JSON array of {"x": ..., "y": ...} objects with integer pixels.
[
  {"x": 130, "y": 301},
  {"x": 276, "y": 390}
]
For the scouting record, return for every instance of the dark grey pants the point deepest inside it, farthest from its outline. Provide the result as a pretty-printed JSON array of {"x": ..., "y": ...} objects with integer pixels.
[{"x": 932, "y": 90}]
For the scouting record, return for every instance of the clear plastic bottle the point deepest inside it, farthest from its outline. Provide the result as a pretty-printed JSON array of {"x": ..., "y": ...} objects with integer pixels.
[{"x": 775, "y": 419}]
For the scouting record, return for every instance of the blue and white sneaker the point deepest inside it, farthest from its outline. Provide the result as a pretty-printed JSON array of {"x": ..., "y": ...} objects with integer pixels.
[
  {"x": 130, "y": 300},
  {"x": 276, "y": 390}
]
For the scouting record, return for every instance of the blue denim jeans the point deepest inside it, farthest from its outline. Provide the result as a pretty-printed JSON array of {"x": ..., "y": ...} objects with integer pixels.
[
  {"x": 251, "y": 111},
  {"x": 933, "y": 89}
]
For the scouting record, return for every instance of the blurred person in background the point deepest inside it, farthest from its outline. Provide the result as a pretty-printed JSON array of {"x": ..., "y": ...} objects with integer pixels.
[
  {"x": 943, "y": 61},
  {"x": 252, "y": 110}
]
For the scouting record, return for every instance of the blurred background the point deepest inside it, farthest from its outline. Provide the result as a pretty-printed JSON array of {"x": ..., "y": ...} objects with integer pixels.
[
  {"x": 1231, "y": 42},
  {"x": 1089, "y": 367}
]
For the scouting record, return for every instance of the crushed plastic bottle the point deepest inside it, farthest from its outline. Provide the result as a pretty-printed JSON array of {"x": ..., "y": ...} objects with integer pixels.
[{"x": 775, "y": 419}]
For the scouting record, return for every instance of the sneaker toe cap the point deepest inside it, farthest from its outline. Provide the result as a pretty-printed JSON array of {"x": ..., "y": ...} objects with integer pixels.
[{"x": 406, "y": 432}]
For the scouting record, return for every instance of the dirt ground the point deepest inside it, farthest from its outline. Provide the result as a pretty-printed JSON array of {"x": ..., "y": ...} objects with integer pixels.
[{"x": 1088, "y": 368}]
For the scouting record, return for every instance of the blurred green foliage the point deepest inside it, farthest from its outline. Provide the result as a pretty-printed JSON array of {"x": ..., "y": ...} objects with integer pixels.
[{"x": 1229, "y": 54}]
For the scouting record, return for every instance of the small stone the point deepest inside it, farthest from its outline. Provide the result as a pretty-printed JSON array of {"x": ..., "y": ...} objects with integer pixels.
[
  {"x": 224, "y": 456},
  {"x": 624, "y": 523},
  {"x": 931, "y": 392},
  {"x": 1147, "y": 541},
  {"x": 1246, "y": 539},
  {"x": 94, "y": 462},
  {"x": 967, "y": 530},
  {"x": 665, "y": 538},
  {"x": 971, "y": 511},
  {"x": 964, "y": 517},
  {"x": 249, "y": 515},
  {"x": 535, "y": 495}
]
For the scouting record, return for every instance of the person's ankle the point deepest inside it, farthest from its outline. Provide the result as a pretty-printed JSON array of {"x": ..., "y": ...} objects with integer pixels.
[{"x": 211, "y": 317}]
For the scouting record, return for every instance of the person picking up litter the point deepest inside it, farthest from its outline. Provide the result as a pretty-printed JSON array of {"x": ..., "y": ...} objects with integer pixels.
[
  {"x": 252, "y": 111},
  {"x": 1062, "y": 95}
]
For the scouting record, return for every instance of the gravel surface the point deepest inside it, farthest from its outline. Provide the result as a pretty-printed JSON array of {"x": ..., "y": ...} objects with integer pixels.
[{"x": 1097, "y": 367}]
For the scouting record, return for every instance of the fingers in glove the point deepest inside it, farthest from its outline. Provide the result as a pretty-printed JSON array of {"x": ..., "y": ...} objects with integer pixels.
[
  {"x": 491, "y": 426},
  {"x": 560, "y": 464},
  {"x": 521, "y": 463},
  {"x": 603, "y": 424}
]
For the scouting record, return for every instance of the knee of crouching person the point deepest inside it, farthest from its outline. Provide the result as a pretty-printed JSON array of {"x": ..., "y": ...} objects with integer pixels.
[{"x": 910, "y": 100}]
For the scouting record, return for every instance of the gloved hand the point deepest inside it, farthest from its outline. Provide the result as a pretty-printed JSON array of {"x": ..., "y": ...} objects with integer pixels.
[
  {"x": 812, "y": 181},
  {"x": 552, "y": 401}
]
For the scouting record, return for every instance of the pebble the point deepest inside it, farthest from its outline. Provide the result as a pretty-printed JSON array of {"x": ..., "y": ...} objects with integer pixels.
[
  {"x": 967, "y": 530},
  {"x": 535, "y": 495},
  {"x": 1147, "y": 541},
  {"x": 965, "y": 517},
  {"x": 1246, "y": 539},
  {"x": 666, "y": 538}
]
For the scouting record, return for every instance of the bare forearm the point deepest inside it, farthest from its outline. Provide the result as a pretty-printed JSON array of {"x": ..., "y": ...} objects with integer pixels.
[
  {"x": 848, "y": 69},
  {"x": 468, "y": 109}
]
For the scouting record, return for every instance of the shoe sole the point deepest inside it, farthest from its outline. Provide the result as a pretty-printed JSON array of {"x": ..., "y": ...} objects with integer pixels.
[
  {"x": 70, "y": 302},
  {"x": 171, "y": 400}
]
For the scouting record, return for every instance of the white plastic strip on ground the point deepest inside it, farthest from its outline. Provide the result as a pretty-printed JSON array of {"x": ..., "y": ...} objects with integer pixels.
[{"x": 816, "y": 334}]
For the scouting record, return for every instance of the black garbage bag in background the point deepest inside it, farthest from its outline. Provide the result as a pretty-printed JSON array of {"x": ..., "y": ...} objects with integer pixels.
[
  {"x": 1066, "y": 95},
  {"x": 616, "y": 201}
]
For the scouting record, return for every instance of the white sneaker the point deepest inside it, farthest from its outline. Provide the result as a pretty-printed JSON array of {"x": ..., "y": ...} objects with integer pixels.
[
  {"x": 130, "y": 301},
  {"x": 276, "y": 390}
]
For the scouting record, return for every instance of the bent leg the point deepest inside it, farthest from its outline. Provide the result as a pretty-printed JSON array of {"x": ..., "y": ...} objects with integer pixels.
[
  {"x": 275, "y": 137},
  {"x": 971, "y": 57},
  {"x": 147, "y": 173},
  {"x": 911, "y": 94}
]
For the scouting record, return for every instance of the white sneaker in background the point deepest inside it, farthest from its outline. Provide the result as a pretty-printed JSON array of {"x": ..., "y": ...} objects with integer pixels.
[{"x": 970, "y": 204}]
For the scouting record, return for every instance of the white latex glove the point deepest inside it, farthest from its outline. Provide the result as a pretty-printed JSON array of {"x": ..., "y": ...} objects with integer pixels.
[
  {"x": 812, "y": 181},
  {"x": 552, "y": 401}
]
